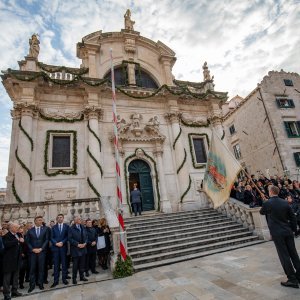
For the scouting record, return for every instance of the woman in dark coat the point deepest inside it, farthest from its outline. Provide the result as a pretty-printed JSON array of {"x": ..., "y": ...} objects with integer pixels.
[
  {"x": 24, "y": 260},
  {"x": 103, "y": 254}
]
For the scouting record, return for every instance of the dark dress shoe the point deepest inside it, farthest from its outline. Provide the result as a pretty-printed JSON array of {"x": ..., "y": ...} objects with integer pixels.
[
  {"x": 87, "y": 274},
  {"x": 68, "y": 277},
  {"x": 21, "y": 286},
  {"x": 31, "y": 288},
  {"x": 291, "y": 284},
  {"x": 95, "y": 272},
  {"x": 74, "y": 281},
  {"x": 83, "y": 279},
  {"x": 41, "y": 287},
  {"x": 16, "y": 294},
  {"x": 54, "y": 285},
  {"x": 65, "y": 282}
]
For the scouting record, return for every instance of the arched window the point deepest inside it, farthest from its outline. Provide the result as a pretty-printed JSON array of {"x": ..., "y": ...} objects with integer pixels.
[{"x": 142, "y": 78}]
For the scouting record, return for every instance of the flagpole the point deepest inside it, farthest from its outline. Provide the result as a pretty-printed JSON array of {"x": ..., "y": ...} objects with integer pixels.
[{"x": 117, "y": 159}]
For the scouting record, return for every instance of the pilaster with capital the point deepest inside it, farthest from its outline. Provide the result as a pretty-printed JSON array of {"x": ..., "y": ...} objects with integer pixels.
[
  {"x": 167, "y": 66},
  {"x": 165, "y": 202},
  {"x": 92, "y": 115},
  {"x": 180, "y": 153},
  {"x": 24, "y": 114},
  {"x": 215, "y": 119}
]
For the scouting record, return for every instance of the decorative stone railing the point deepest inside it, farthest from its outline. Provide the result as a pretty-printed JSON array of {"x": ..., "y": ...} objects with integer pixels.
[
  {"x": 61, "y": 75},
  {"x": 249, "y": 217},
  {"x": 26, "y": 212}
]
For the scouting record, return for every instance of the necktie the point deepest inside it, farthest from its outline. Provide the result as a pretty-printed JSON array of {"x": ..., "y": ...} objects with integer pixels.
[
  {"x": 60, "y": 228},
  {"x": 38, "y": 232}
]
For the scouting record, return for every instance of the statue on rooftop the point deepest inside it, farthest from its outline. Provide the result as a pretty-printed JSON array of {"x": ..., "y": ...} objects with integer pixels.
[
  {"x": 206, "y": 72},
  {"x": 128, "y": 22},
  {"x": 34, "y": 46}
]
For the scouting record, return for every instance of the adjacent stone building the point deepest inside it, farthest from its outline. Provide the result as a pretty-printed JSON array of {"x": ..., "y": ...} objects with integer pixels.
[
  {"x": 62, "y": 141},
  {"x": 263, "y": 129}
]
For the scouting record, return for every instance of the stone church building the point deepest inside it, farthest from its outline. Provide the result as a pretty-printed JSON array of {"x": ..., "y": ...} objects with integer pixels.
[{"x": 62, "y": 133}]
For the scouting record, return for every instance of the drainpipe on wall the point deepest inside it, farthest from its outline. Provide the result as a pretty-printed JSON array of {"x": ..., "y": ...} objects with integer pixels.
[{"x": 267, "y": 115}]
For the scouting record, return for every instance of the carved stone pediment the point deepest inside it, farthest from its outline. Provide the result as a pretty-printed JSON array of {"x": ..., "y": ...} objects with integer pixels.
[
  {"x": 59, "y": 114},
  {"x": 196, "y": 121}
]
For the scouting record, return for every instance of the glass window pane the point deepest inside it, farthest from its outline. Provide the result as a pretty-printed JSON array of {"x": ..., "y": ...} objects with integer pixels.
[
  {"x": 200, "y": 151},
  {"x": 61, "y": 152}
]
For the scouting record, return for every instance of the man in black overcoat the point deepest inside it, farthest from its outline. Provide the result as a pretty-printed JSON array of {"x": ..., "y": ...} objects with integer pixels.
[
  {"x": 90, "y": 262},
  {"x": 282, "y": 224},
  {"x": 37, "y": 239},
  {"x": 11, "y": 261},
  {"x": 78, "y": 240}
]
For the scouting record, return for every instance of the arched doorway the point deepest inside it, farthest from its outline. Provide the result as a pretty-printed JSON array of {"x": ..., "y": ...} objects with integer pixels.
[{"x": 139, "y": 171}]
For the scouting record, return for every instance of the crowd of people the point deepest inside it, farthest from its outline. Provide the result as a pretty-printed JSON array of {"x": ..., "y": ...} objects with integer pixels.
[{"x": 29, "y": 251}]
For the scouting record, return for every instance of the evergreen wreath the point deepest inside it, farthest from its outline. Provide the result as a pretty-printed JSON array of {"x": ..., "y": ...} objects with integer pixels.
[
  {"x": 123, "y": 268},
  {"x": 188, "y": 188},
  {"x": 23, "y": 165},
  {"x": 94, "y": 159},
  {"x": 94, "y": 134},
  {"x": 74, "y": 150},
  {"x": 60, "y": 120},
  {"x": 13, "y": 187},
  {"x": 26, "y": 134},
  {"x": 93, "y": 187}
]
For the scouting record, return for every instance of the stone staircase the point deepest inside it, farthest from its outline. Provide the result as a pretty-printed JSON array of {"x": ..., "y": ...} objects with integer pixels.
[{"x": 160, "y": 239}]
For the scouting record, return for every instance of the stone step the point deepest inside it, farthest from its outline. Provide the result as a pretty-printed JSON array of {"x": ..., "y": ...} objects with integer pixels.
[
  {"x": 165, "y": 250},
  {"x": 178, "y": 240},
  {"x": 178, "y": 224},
  {"x": 192, "y": 250},
  {"x": 195, "y": 255},
  {"x": 162, "y": 216},
  {"x": 170, "y": 220},
  {"x": 175, "y": 234}
]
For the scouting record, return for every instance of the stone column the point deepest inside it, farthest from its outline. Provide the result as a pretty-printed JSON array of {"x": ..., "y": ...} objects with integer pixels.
[
  {"x": 131, "y": 74},
  {"x": 165, "y": 205},
  {"x": 183, "y": 173},
  {"x": 92, "y": 64},
  {"x": 94, "y": 173},
  {"x": 216, "y": 119},
  {"x": 24, "y": 152}
]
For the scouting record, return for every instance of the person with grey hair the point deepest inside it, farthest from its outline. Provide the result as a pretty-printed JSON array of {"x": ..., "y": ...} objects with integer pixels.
[
  {"x": 11, "y": 261},
  {"x": 282, "y": 224}
]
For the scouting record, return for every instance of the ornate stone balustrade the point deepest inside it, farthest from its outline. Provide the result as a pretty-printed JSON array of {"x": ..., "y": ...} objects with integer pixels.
[
  {"x": 61, "y": 75},
  {"x": 249, "y": 217},
  {"x": 86, "y": 208}
]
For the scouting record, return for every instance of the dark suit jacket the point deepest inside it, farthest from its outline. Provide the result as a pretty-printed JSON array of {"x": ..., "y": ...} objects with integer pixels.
[
  {"x": 57, "y": 237},
  {"x": 281, "y": 219},
  {"x": 12, "y": 253},
  {"x": 92, "y": 236},
  {"x": 37, "y": 242},
  {"x": 76, "y": 237}
]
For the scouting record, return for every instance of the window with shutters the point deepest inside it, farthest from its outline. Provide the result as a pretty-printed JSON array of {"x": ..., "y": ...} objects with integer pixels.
[
  {"x": 297, "y": 158},
  {"x": 61, "y": 151},
  {"x": 288, "y": 82},
  {"x": 199, "y": 149},
  {"x": 237, "y": 151},
  {"x": 285, "y": 103},
  {"x": 292, "y": 129},
  {"x": 232, "y": 129}
]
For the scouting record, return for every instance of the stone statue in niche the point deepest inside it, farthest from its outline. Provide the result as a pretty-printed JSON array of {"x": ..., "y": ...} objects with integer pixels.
[
  {"x": 34, "y": 46},
  {"x": 128, "y": 22},
  {"x": 136, "y": 120}
]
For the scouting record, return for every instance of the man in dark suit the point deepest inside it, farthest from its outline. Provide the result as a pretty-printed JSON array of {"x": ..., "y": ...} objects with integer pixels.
[
  {"x": 282, "y": 224},
  {"x": 78, "y": 239},
  {"x": 11, "y": 261},
  {"x": 90, "y": 261},
  {"x": 37, "y": 239},
  {"x": 59, "y": 248}
]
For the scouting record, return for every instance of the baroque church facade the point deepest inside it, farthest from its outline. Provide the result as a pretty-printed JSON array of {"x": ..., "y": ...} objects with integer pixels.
[{"x": 62, "y": 133}]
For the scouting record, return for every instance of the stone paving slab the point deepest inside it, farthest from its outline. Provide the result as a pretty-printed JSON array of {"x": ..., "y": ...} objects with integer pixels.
[{"x": 251, "y": 273}]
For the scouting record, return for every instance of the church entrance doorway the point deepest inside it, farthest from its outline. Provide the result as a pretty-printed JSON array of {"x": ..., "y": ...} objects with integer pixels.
[{"x": 139, "y": 172}]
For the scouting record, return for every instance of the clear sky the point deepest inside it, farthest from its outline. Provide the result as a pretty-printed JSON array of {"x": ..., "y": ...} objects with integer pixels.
[{"x": 240, "y": 39}]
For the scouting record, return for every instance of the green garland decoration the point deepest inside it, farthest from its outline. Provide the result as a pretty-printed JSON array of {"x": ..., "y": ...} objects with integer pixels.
[
  {"x": 193, "y": 125},
  {"x": 189, "y": 186},
  {"x": 94, "y": 134},
  {"x": 60, "y": 120},
  {"x": 26, "y": 134},
  {"x": 23, "y": 165},
  {"x": 46, "y": 159},
  {"x": 190, "y": 136},
  {"x": 223, "y": 135},
  {"x": 13, "y": 187},
  {"x": 93, "y": 187},
  {"x": 183, "y": 162},
  {"x": 54, "y": 69},
  {"x": 177, "y": 91},
  {"x": 180, "y": 131},
  {"x": 123, "y": 268},
  {"x": 94, "y": 159},
  {"x": 156, "y": 177}
]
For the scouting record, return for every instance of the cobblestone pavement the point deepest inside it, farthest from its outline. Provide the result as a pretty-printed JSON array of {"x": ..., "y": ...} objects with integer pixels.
[{"x": 247, "y": 273}]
